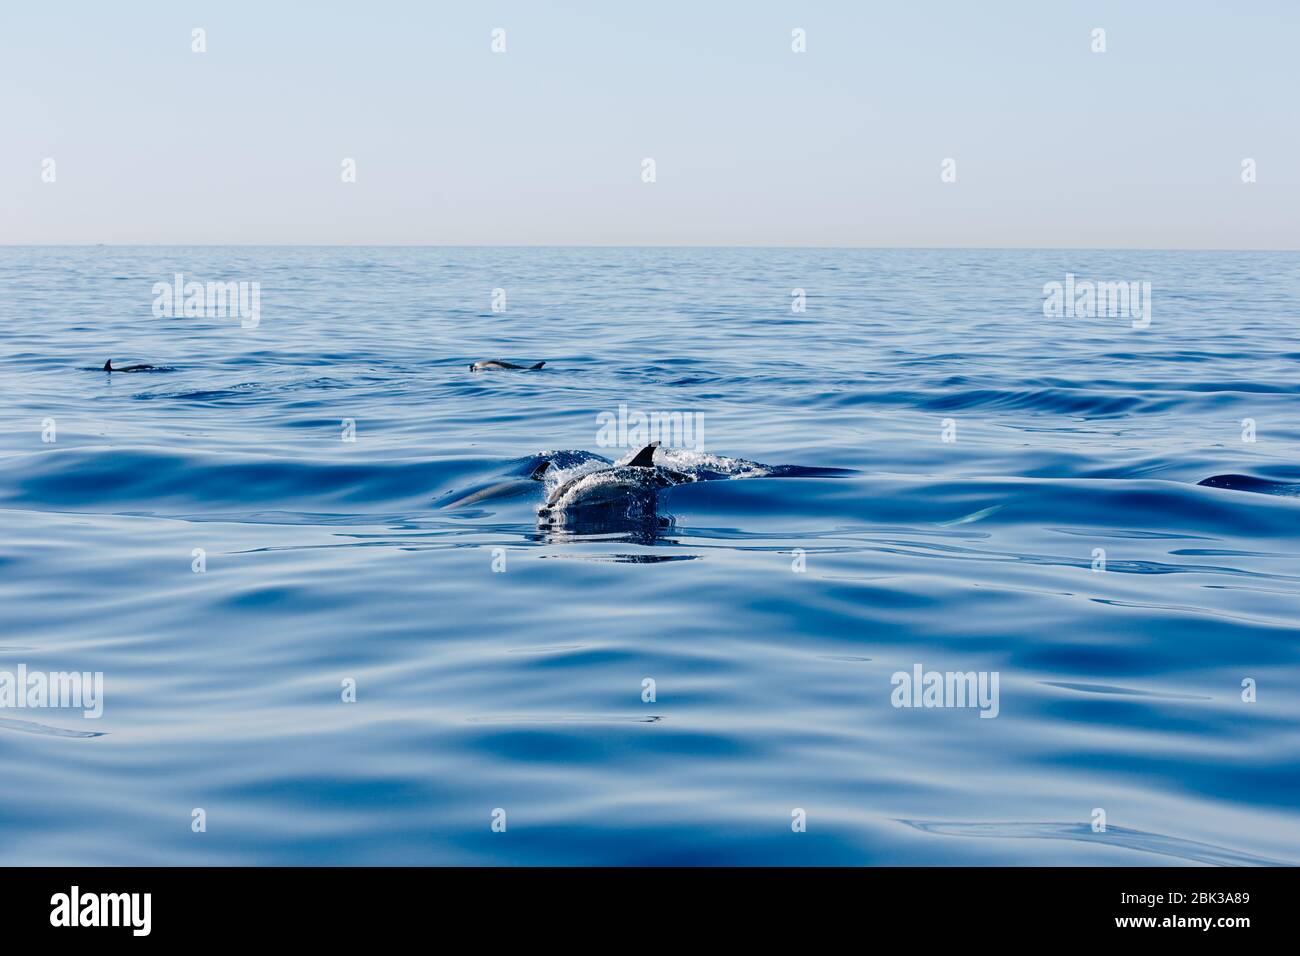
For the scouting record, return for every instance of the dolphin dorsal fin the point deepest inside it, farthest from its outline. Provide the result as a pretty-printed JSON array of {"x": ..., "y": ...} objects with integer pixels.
[
  {"x": 108, "y": 366},
  {"x": 645, "y": 458},
  {"x": 540, "y": 470}
]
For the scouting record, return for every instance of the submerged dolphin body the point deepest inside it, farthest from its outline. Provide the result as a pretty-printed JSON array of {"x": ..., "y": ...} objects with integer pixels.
[
  {"x": 510, "y": 488},
  {"x": 587, "y": 494},
  {"x": 1263, "y": 486},
  {"x": 495, "y": 366}
]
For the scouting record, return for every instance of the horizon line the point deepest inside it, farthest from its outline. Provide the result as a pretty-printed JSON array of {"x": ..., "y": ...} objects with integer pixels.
[{"x": 579, "y": 245}]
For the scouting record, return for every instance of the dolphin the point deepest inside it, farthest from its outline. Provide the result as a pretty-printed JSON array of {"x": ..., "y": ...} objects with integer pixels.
[
  {"x": 502, "y": 489},
  {"x": 108, "y": 367},
  {"x": 495, "y": 366},
  {"x": 618, "y": 493}
]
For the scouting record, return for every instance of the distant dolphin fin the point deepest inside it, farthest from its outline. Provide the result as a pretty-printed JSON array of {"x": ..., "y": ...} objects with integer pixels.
[
  {"x": 108, "y": 366},
  {"x": 536, "y": 365},
  {"x": 539, "y": 471},
  {"x": 645, "y": 458}
]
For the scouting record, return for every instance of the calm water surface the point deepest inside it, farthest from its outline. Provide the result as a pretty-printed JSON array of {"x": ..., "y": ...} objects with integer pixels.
[{"x": 330, "y": 561}]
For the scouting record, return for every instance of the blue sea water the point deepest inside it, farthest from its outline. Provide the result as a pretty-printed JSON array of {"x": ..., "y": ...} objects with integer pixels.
[{"x": 477, "y": 690}]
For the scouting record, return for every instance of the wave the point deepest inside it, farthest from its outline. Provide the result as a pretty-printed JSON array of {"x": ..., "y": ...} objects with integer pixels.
[
  {"x": 150, "y": 480},
  {"x": 45, "y": 730},
  {"x": 1138, "y": 840}
]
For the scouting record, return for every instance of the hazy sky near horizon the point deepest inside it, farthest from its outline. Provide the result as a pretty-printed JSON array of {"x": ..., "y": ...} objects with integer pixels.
[{"x": 754, "y": 144}]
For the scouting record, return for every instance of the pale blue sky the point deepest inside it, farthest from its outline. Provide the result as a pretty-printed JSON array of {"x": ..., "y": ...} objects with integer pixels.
[{"x": 755, "y": 145}]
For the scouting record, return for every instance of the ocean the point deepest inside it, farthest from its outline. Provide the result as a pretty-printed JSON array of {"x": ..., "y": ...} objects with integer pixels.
[{"x": 304, "y": 556}]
